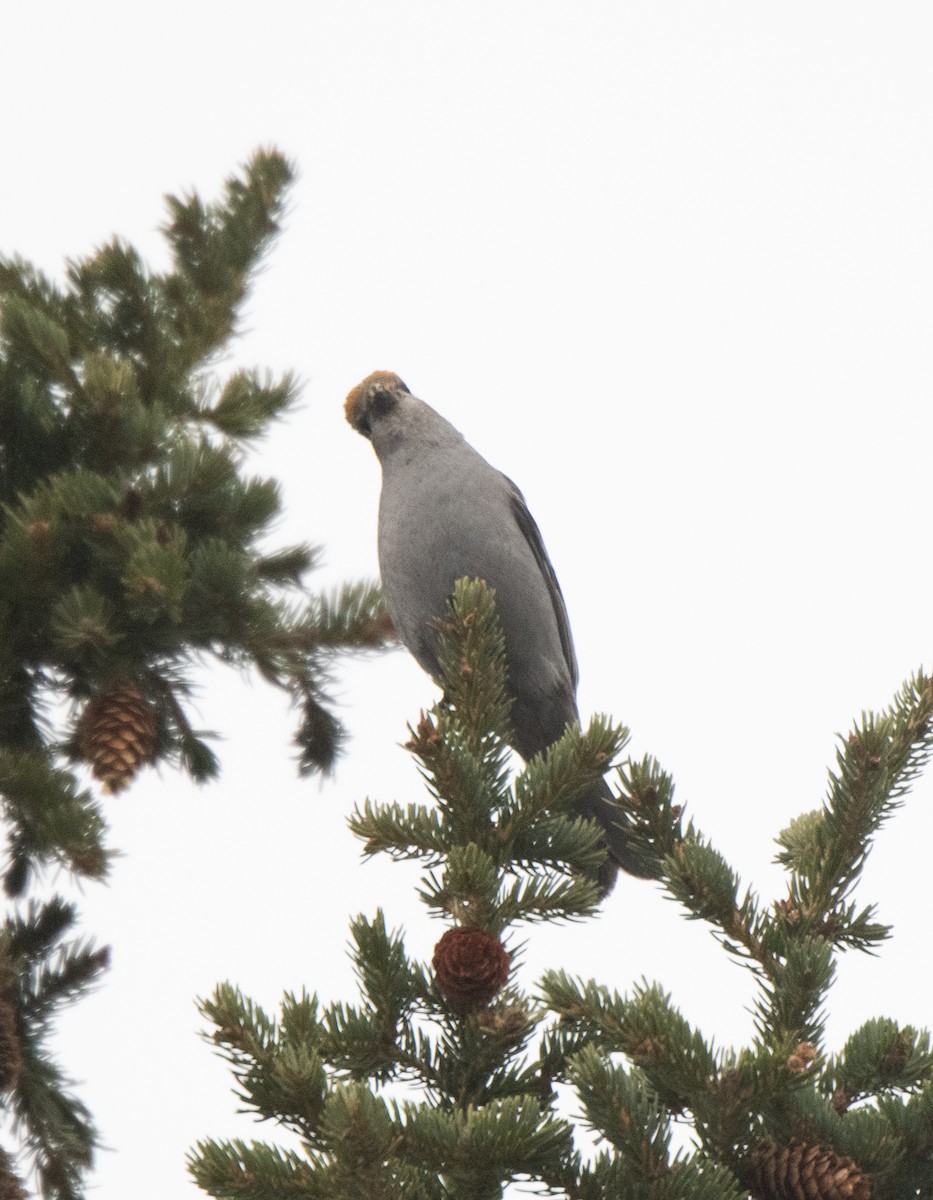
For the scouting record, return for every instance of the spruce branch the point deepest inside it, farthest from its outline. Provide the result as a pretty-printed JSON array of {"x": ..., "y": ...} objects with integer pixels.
[
  {"x": 279, "y": 1074},
  {"x": 62, "y": 979},
  {"x": 415, "y": 831},
  {"x": 484, "y": 1060},
  {"x": 471, "y": 654},
  {"x": 625, "y": 1111},
  {"x": 286, "y": 566},
  {"x": 543, "y": 898},
  {"x": 134, "y": 545},
  {"x": 496, "y": 853},
  {"x": 492, "y": 836},
  {"x": 553, "y": 781},
  {"x": 49, "y": 818},
  {"x": 647, "y": 1027},
  {"x": 701, "y": 879},
  {"x": 791, "y": 998},
  {"x": 39, "y": 929},
  {"x": 237, "y": 1170},
  {"x": 876, "y": 765},
  {"x": 877, "y": 1058},
  {"x": 654, "y": 823},
  {"x": 42, "y": 973},
  {"x": 354, "y": 615},
  {"x": 135, "y": 522},
  {"x": 913, "y": 1134},
  {"x": 249, "y": 402},
  {"x": 61, "y": 1136}
]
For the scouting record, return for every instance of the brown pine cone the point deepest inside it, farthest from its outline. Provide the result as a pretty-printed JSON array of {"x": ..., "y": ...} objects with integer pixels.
[
  {"x": 470, "y": 966},
  {"x": 797, "y": 1171},
  {"x": 117, "y": 734}
]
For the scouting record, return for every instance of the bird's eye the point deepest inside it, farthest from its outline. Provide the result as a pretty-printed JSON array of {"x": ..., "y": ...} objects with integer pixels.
[{"x": 382, "y": 402}]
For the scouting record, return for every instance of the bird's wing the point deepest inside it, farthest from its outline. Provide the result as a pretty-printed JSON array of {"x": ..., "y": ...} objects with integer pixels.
[{"x": 532, "y": 535}]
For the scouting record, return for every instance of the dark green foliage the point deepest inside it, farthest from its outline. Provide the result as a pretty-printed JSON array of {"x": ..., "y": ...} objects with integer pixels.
[
  {"x": 496, "y": 853},
  {"x": 781, "y": 1088},
  {"x": 492, "y": 836},
  {"x": 130, "y": 534},
  {"x": 133, "y": 544},
  {"x": 48, "y": 972},
  {"x": 403, "y": 1095}
]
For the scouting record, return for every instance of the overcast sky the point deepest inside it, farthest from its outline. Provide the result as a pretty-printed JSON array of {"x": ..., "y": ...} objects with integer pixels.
[{"x": 670, "y": 267}]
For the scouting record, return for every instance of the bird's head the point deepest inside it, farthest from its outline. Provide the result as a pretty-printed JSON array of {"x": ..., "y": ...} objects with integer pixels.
[{"x": 373, "y": 400}]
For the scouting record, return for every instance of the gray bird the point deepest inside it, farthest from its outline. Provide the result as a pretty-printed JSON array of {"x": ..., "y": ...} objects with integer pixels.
[{"x": 445, "y": 513}]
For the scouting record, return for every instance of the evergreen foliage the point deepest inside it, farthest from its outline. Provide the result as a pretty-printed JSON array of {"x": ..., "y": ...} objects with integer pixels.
[
  {"x": 132, "y": 546},
  {"x": 414, "y": 1091}
]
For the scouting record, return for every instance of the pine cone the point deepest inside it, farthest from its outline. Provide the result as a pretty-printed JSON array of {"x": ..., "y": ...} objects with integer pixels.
[
  {"x": 802, "y": 1058},
  {"x": 470, "y": 966},
  {"x": 796, "y": 1171},
  {"x": 117, "y": 734},
  {"x": 11, "y": 1054}
]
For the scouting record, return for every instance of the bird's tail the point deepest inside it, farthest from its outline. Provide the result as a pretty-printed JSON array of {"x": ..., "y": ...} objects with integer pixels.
[{"x": 598, "y": 804}]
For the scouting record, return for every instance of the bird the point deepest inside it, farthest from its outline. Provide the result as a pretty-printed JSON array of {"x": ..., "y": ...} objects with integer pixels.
[{"x": 446, "y": 513}]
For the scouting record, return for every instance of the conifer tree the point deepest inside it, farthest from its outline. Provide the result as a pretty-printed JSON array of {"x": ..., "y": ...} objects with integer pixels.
[
  {"x": 132, "y": 545},
  {"x": 439, "y": 1081}
]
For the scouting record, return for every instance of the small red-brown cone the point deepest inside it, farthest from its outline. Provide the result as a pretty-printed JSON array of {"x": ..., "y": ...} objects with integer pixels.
[
  {"x": 117, "y": 734},
  {"x": 470, "y": 966},
  {"x": 11, "y": 1052},
  {"x": 797, "y": 1171}
]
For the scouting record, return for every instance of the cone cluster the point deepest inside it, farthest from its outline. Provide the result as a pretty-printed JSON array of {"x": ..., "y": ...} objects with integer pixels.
[
  {"x": 117, "y": 734},
  {"x": 470, "y": 966},
  {"x": 797, "y": 1171}
]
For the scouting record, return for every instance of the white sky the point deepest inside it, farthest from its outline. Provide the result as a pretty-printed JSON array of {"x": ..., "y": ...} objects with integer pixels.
[{"x": 668, "y": 265}]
